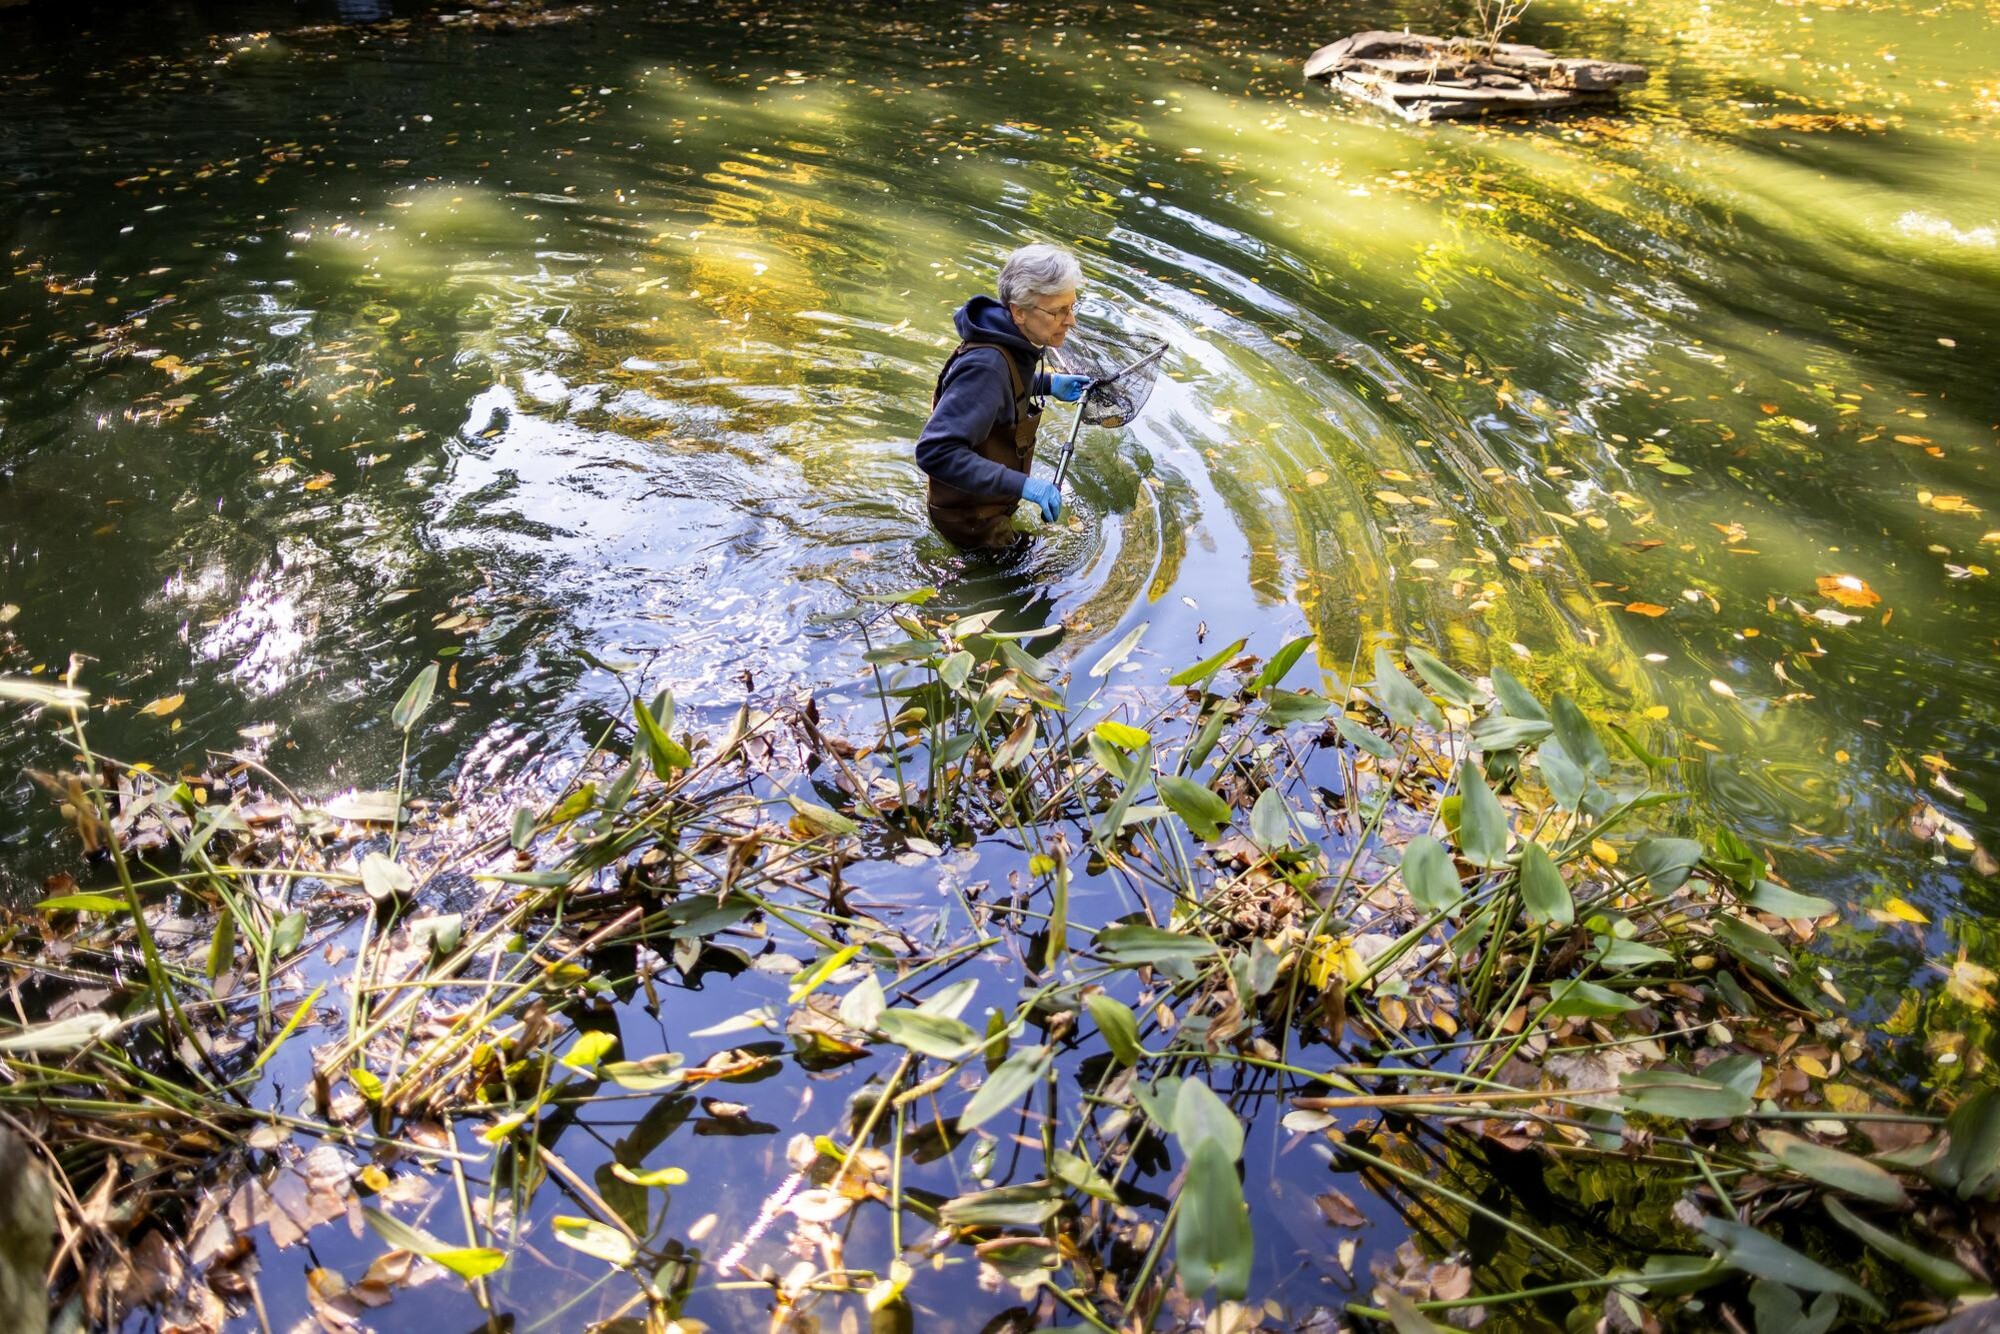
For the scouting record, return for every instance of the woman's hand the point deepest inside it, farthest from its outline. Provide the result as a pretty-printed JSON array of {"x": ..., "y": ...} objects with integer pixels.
[
  {"x": 1068, "y": 388},
  {"x": 1040, "y": 493}
]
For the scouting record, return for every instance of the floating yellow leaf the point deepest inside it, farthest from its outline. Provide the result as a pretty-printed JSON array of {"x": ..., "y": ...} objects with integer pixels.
[
  {"x": 1967, "y": 981},
  {"x": 1315, "y": 478},
  {"x": 1847, "y": 590},
  {"x": 160, "y": 708},
  {"x": 1903, "y": 912},
  {"x": 1645, "y": 609},
  {"x": 1657, "y": 712},
  {"x": 1721, "y": 688},
  {"x": 1951, "y": 504},
  {"x": 1604, "y": 852},
  {"x": 1392, "y": 497},
  {"x": 1810, "y": 1066},
  {"x": 1423, "y": 563},
  {"x": 1395, "y": 475},
  {"x": 319, "y": 481}
]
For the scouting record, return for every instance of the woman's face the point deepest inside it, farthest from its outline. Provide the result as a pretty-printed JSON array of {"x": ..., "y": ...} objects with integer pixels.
[{"x": 1048, "y": 319}]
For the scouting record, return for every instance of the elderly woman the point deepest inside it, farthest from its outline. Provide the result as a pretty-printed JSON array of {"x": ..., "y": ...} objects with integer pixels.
[{"x": 979, "y": 444}]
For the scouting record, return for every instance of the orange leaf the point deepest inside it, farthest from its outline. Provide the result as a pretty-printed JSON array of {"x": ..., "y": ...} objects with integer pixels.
[
  {"x": 1646, "y": 608},
  {"x": 1847, "y": 590}
]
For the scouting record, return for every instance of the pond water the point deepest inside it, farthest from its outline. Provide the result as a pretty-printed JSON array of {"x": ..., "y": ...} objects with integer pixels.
[{"x": 336, "y": 341}]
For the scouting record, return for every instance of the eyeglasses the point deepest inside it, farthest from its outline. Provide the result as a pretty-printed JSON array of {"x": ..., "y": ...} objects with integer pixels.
[{"x": 1060, "y": 313}]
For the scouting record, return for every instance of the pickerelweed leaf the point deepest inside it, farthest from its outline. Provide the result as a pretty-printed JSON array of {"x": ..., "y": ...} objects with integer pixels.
[
  {"x": 1563, "y": 776},
  {"x": 416, "y": 698},
  {"x": 1130, "y": 944},
  {"x": 1199, "y": 807},
  {"x": 521, "y": 831},
  {"x": 1119, "y": 651},
  {"x": 104, "y": 903},
  {"x": 1007, "y": 1206},
  {"x": 1359, "y": 737},
  {"x": 468, "y": 1262},
  {"x": 1638, "y": 749},
  {"x": 1779, "y": 1310},
  {"x": 1122, "y": 735},
  {"x": 823, "y": 819},
  {"x": 665, "y": 753},
  {"x": 956, "y": 669},
  {"x": 1120, "y": 1027},
  {"x": 651, "y": 1075},
  {"x": 861, "y": 1008},
  {"x": 1677, "y": 1094},
  {"x": 1200, "y": 1116},
  {"x": 1207, "y": 667},
  {"x": 1017, "y": 1075},
  {"x": 1283, "y": 708},
  {"x": 1406, "y": 1317},
  {"x": 288, "y": 934},
  {"x": 1482, "y": 823},
  {"x": 1543, "y": 892},
  {"x": 593, "y": 1238},
  {"x": 1429, "y": 876},
  {"x": 1212, "y": 1236},
  {"x": 1516, "y": 698},
  {"x": 1076, "y": 1171},
  {"x": 1578, "y": 738},
  {"x": 384, "y": 880},
  {"x": 1667, "y": 862},
  {"x": 1970, "y": 1164},
  {"x": 1442, "y": 678},
  {"x": 1832, "y": 1167},
  {"x": 928, "y": 1034},
  {"x": 1934, "y": 1270},
  {"x": 1616, "y": 954},
  {"x": 1764, "y": 1256},
  {"x": 589, "y": 1049},
  {"x": 1281, "y": 662},
  {"x": 1585, "y": 999},
  {"x": 950, "y": 1001},
  {"x": 1781, "y": 902},
  {"x": 1399, "y": 698},
  {"x": 1020, "y": 743},
  {"x": 1270, "y": 822},
  {"x": 1497, "y": 731}
]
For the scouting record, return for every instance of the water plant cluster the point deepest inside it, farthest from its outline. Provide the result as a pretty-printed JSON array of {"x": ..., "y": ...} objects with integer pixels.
[{"x": 1432, "y": 938}]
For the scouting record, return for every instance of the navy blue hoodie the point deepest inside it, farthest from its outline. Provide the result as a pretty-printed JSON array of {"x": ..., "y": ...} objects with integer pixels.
[{"x": 975, "y": 396}]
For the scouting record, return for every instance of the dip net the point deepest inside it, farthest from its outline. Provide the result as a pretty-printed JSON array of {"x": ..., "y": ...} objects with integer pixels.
[{"x": 1117, "y": 390}]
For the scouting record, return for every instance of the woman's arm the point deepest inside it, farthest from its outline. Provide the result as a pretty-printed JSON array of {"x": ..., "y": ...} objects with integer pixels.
[{"x": 975, "y": 396}]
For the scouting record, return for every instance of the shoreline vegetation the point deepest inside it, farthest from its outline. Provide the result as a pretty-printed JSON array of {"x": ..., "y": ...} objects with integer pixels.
[{"x": 1445, "y": 933}]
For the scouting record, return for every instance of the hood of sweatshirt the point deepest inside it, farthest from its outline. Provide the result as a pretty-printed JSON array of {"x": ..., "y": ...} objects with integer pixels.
[{"x": 986, "y": 320}]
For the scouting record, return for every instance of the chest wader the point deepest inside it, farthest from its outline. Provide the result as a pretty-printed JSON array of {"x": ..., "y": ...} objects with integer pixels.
[{"x": 968, "y": 521}]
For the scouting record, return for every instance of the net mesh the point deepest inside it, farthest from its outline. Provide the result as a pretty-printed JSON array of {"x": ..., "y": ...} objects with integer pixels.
[{"x": 1117, "y": 390}]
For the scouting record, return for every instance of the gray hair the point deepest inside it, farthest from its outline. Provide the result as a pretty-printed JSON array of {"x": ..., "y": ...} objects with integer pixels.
[{"x": 1037, "y": 270}]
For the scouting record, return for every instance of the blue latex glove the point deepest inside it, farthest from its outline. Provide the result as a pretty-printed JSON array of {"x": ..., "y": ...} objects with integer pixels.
[
  {"x": 1038, "y": 492},
  {"x": 1068, "y": 388}
]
